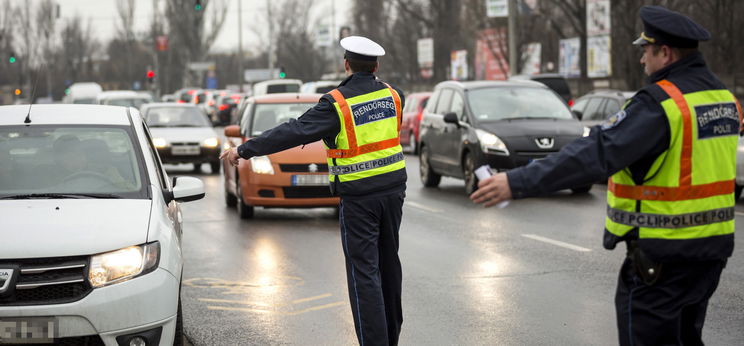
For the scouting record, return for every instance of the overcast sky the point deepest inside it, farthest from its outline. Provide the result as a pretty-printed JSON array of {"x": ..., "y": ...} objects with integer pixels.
[{"x": 104, "y": 18}]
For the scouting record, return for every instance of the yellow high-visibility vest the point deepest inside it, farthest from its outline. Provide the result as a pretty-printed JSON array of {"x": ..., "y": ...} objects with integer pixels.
[
  {"x": 369, "y": 141},
  {"x": 686, "y": 197}
]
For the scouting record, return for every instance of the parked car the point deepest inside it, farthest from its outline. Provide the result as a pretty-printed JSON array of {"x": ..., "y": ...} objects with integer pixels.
[
  {"x": 554, "y": 81},
  {"x": 296, "y": 177},
  {"x": 319, "y": 87},
  {"x": 182, "y": 133},
  {"x": 412, "y": 114},
  {"x": 739, "y": 168},
  {"x": 124, "y": 98},
  {"x": 595, "y": 107},
  {"x": 91, "y": 228},
  {"x": 496, "y": 123},
  {"x": 274, "y": 86}
]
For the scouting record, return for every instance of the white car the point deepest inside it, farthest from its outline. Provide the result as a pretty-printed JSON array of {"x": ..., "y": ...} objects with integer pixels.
[
  {"x": 273, "y": 86},
  {"x": 739, "y": 169},
  {"x": 124, "y": 98},
  {"x": 91, "y": 229}
]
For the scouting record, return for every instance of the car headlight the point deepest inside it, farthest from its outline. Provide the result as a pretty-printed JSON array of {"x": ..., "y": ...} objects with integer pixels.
[
  {"x": 586, "y": 131},
  {"x": 490, "y": 143},
  {"x": 121, "y": 265},
  {"x": 159, "y": 142},
  {"x": 261, "y": 165},
  {"x": 211, "y": 142}
]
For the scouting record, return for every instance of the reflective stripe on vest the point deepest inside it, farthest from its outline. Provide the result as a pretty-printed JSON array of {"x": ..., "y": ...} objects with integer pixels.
[
  {"x": 687, "y": 192},
  {"x": 369, "y": 141}
]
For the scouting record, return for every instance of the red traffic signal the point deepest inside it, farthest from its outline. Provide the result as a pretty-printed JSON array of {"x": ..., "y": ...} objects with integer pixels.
[{"x": 150, "y": 74}]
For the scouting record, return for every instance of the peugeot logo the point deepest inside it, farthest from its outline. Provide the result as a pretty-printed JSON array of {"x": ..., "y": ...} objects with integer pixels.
[
  {"x": 312, "y": 168},
  {"x": 544, "y": 142},
  {"x": 5, "y": 276}
]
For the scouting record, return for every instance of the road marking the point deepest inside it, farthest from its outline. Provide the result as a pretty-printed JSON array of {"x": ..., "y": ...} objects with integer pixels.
[
  {"x": 243, "y": 302},
  {"x": 557, "y": 243},
  {"x": 286, "y": 313},
  {"x": 739, "y": 213},
  {"x": 422, "y": 207},
  {"x": 298, "y": 301}
]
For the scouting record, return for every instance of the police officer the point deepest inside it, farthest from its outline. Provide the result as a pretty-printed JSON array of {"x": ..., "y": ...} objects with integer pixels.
[
  {"x": 670, "y": 155},
  {"x": 359, "y": 123}
]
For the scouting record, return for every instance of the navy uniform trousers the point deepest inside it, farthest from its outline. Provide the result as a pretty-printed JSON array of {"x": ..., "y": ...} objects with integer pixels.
[
  {"x": 369, "y": 235},
  {"x": 671, "y": 311}
]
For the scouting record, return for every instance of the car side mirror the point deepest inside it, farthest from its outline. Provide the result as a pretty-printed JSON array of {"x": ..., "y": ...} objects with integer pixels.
[
  {"x": 232, "y": 131},
  {"x": 577, "y": 114},
  {"x": 451, "y": 118},
  {"x": 187, "y": 189}
]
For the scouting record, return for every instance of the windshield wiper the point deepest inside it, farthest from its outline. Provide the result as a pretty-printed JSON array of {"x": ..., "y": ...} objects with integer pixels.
[{"x": 61, "y": 196}]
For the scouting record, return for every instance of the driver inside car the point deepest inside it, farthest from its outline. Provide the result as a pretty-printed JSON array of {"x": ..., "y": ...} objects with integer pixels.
[{"x": 73, "y": 163}]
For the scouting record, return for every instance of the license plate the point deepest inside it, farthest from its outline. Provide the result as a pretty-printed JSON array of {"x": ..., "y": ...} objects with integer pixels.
[
  {"x": 185, "y": 150},
  {"x": 32, "y": 330},
  {"x": 310, "y": 180}
]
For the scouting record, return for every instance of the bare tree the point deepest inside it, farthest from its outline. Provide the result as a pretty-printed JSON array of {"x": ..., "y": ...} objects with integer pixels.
[{"x": 296, "y": 51}]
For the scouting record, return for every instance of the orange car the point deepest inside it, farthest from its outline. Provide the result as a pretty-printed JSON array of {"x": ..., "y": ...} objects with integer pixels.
[{"x": 296, "y": 177}]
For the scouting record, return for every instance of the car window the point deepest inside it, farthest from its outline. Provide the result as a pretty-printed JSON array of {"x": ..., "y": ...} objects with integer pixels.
[
  {"x": 431, "y": 107},
  {"x": 176, "y": 117},
  {"x": 580, "y": 104},
  {"x": 559, "y": 85},
  {"x": 611, "y": 107},
  {"x": 162, "y": 176},
  {"x": 282, "y": 88},
  {"x": 458, "y": 107},
  {"x": 444, "y": 101},
  {"x": 71, "y": 159},
  {"x": 501, "y": 103},
  {"x": 269, "y": 115},
  {"x": 594, "y": 109},
  {"x": 424, "y": 102}
]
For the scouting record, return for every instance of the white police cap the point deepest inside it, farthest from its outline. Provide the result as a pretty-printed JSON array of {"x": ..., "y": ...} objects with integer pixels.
[{"x": 361, "y": 48}]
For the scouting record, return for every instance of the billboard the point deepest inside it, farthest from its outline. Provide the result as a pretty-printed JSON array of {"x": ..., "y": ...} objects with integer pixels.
[
  {"x": 497, "y": 8},
  {"x": 570, "y": 55},
  {"x": 491, "y": 50},
  {"x": 598, "y": 59},
  {"x": 459, "y": 64},
  {"x": 597, "y": 17}
]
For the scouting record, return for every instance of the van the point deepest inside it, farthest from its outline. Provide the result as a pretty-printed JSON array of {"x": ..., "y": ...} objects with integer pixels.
[
  {"x": 84, "y": 93},
  {"x": 273, "y": 86}
]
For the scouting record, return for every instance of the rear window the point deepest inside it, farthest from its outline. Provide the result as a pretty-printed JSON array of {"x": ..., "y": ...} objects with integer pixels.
[
  {"x": 559, "y": 85},
  {"x": 176, "y": 117},
  {"x": 490, "y": 104},
  {"x": 269, "y": 115},
  {"x": 77, "y": 161},
  {"x": 282, "y": 88}
]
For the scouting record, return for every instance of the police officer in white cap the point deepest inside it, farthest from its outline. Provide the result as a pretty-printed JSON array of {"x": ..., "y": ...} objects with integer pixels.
[{"x": 359, "y": 122}]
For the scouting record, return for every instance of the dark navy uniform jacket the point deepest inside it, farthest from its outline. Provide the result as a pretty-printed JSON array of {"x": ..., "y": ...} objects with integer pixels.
[
  {"x": 634, "y": 140},
  {"x": 322, "y": 122}
]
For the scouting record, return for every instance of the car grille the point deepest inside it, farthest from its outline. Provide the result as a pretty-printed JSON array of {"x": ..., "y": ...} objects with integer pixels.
[
  {"x": 48, "y": 281},
  {"x": 93, "y": 340},
  {"x": 307, "y": 192},
  {"x": 184, "y": 143},
  {"x": 295, "y": 168},
  {"x": 535, "y": 154}
]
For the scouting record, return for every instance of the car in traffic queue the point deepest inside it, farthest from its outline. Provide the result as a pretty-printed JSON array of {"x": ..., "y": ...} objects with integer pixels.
[
  {"x": 412, "y": 114},
  {"x": 124, "y": 98},
  {"x": 319, "y": 87},
  {"x": 293, "y": 178},
  {"x": 91, "y": 229},
  {"x": 182, "y": 133},
  {"x": 226, "y": 105},
  {"x": 597, "y": 106},
  {"x": 495, "y": 123},
  {"x": 276, "y": 86}
]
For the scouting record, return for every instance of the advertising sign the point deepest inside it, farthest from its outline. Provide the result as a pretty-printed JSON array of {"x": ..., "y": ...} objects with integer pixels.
[
  {"x": 491, "y": 50},
  {"x": 497, "y": 8},
  {"x": 598, "y": 56},
  {"x": 532, "y": 58},
  {"x": 569, "y": 59},
  {"x": 459, "y": 64},
  {"x": 597, "y": 17}
]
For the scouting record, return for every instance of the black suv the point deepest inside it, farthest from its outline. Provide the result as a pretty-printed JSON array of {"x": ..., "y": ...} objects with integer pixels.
[{"x": 498, "y": 123}]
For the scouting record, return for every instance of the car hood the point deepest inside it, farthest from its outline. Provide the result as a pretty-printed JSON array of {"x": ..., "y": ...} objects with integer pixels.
[
  {"x": 183, "y": 134},
  {"x": 506, "y": 129},
  {"x": 310, "y": 153},
  {"x": 71, "y": 227}
]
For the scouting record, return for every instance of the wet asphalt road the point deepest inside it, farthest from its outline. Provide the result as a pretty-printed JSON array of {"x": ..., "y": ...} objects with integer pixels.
[{"x": 534, "y": 273}]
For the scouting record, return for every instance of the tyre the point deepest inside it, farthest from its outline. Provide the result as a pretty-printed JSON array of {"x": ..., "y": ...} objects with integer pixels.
[
  {"x": 197, "y": 167},
  {"x": 244, "y": 210},
  {"x": 215, "y": 167},
  {"x": 412, "y": 143},
  {"x": 178, "y": 336},
  {"x": 737, "y": 192},
  {"x": 468, "y": 173},
  {"x": 428, "y": 177},
  {"x": 582, "y": 189},
  {"x": 230, "y": 199}
]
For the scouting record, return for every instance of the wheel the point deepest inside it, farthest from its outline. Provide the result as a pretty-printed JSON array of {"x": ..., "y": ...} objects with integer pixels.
[
  {"x": 737, "y": 192},
  {"x": 581, "y": 189},
  {"x": 178, "y": 336},
  {"x": 215, "y": 167},
  {"x": 197, "y": 167},
  {"x": 244, "y": 210},
  {"x": 412, "y": 143},
  {"x": 468, "y": 173},
  {"x": 428, "y": 177},
  {"x": 230, "y": 199}
]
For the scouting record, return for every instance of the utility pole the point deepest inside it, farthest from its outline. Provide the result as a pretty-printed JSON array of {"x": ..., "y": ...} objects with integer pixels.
[
  {"x": 271, "y": 37},
  {"x": 513, "y": 54},
  {"x": 241, "y": 73}
]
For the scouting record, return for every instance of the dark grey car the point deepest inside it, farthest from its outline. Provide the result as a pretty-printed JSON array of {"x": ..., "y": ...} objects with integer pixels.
[{"x": 496, "y": 123}]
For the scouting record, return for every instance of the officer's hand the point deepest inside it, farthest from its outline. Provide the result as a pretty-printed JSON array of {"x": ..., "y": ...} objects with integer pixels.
[
  {"x": 231, "y": 156},
  {"x": 492, "y": 190}
]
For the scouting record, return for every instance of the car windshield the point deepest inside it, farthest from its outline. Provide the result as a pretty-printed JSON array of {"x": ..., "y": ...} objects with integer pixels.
[
  {"x": 502, "y": 103},
  {"x": 44, "y": 161},
  {"x": 130, "y": 102},
  {"x": 269, "y": 115},
  {"x": 176, "y": 117},
  {"x": 282, "y": 88}
]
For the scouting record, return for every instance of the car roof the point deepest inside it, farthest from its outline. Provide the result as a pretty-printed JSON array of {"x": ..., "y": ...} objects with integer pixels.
[
  {"x": 287, "y": 98},
  {"x": 469, "y": 85},
  {"x": 122, "y": 94},
  {"x": 610, "y": 92},
  {"x": 60, "y": 114}
]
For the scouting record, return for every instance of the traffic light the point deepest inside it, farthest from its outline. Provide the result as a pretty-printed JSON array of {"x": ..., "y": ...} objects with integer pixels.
[
  {"x": 282, "y": 74},
  {"x": 150, "y": 76},
  {"x": 12, "y": 58},
  {"x": 198, "y": 6},
  {"x": 18, "y": 92}
]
